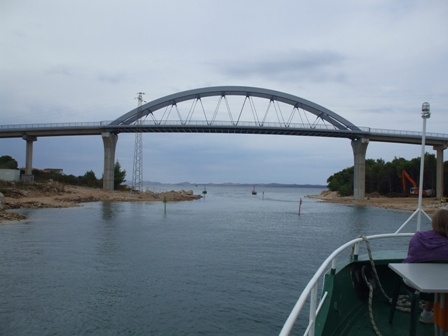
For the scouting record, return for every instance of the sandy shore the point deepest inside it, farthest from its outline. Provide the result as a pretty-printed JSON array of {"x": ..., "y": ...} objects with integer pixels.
[
  {"x": 53, "y": 195},
  {"x": 429, "y": 204}
]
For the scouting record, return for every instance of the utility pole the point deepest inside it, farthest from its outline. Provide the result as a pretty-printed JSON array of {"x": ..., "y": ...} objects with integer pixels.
[{"x": 137, "y": 172}]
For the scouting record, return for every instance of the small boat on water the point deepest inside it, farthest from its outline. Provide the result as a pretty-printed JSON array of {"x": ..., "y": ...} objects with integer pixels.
[
  {"x": 356, "y": 290},
  {"x": 254, "y": 192}
]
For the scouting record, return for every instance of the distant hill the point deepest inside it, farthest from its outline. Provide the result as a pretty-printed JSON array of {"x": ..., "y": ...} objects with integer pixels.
[{"x": 241, "y": 184}]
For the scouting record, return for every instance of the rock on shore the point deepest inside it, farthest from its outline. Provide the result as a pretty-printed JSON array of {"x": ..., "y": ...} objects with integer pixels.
[{"x": 56, "y": 195}]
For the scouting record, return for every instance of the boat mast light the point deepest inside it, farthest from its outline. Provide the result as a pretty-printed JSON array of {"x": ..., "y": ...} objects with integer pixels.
[{"x": 426, "y": 113}]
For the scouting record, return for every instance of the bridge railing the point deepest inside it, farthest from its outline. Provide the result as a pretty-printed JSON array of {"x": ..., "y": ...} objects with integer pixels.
[
  {"x": 225, "y": 123},
  {"x": 54, "y": 125},
  {"x": 105, "y": 124},
  {"x": 164, "y": 123},
  {"x": 379, "y": 131}
]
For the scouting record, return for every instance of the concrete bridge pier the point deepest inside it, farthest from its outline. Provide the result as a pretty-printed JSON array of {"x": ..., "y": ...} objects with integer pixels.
[
  {"x": 359, "y": 177},
  {"x": 28, "y": 176},
  {"x": 439, "y": 169},
  {"x": 110, "y": 144}
]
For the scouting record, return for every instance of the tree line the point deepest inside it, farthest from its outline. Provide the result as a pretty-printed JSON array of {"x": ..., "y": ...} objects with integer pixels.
[
  {"x": 385, "y": 178},
  {"x": 89, "y": 179}
]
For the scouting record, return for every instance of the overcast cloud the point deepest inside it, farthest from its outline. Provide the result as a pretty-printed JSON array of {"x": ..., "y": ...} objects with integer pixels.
[{"x": 372, "y": 62}]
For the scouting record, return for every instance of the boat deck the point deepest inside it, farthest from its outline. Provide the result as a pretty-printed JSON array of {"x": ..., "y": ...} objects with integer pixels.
[
  {"x": 344, "y": 308},
  {"x": 361, "y": 325}
]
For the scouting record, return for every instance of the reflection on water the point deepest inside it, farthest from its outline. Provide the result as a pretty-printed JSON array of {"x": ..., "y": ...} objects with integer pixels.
[
  {"x": 230, "y": 264},
  {"x": 109, "y": 209}
]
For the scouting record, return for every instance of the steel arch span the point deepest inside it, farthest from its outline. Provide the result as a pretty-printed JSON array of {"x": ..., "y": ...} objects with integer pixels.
[{"x": 274, "y": 97}]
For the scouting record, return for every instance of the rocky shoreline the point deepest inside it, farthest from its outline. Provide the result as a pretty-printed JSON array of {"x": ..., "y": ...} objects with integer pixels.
[
  {"x": 410, "y": 204},
  {"x": 56, "y": 195}
]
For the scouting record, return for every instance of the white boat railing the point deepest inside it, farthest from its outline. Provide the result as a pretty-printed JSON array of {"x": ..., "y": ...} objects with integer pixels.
[
  {"x": 311, "y": 288},
  {"x": 416, "y": 212}
]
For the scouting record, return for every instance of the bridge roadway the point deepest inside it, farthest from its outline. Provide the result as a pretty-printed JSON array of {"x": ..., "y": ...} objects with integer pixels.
[
  {"x": 361, "y": 137},
  {"x": 243, "y": 127},
  {"x": 327, "y": 124}
]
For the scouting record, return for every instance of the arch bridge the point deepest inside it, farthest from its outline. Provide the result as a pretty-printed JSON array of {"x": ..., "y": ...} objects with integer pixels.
[
  {"x": 232, "y": 109},
  {"x": 269, "y": 111}
]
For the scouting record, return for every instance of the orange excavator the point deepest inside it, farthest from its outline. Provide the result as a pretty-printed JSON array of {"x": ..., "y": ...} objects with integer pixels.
[{"x": 414, "y": 189}]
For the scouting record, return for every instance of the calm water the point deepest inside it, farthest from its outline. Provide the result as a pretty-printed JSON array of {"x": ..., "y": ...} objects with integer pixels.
[{"x": 229, "y": 264}]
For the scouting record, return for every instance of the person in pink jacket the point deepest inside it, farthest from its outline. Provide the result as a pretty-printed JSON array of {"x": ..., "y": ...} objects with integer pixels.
[{"x": 430, "y": 245}]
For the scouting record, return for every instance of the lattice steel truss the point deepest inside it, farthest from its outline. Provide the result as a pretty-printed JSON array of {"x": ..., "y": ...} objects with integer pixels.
[{"x": 137, "y": 171}]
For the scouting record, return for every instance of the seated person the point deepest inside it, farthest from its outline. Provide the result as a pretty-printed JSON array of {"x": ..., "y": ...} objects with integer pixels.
[{"x": 430, "y": 245}]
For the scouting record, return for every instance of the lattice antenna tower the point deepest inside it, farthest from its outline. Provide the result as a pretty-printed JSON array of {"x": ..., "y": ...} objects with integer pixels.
[{"x": 137, "y": 172}]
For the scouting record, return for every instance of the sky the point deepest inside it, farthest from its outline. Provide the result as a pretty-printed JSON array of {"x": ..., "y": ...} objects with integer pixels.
[{"x": 372, "y": 62}]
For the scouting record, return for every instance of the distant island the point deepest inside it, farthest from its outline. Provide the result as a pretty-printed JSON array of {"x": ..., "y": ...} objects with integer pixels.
[{"x": 240, "y": 184}]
